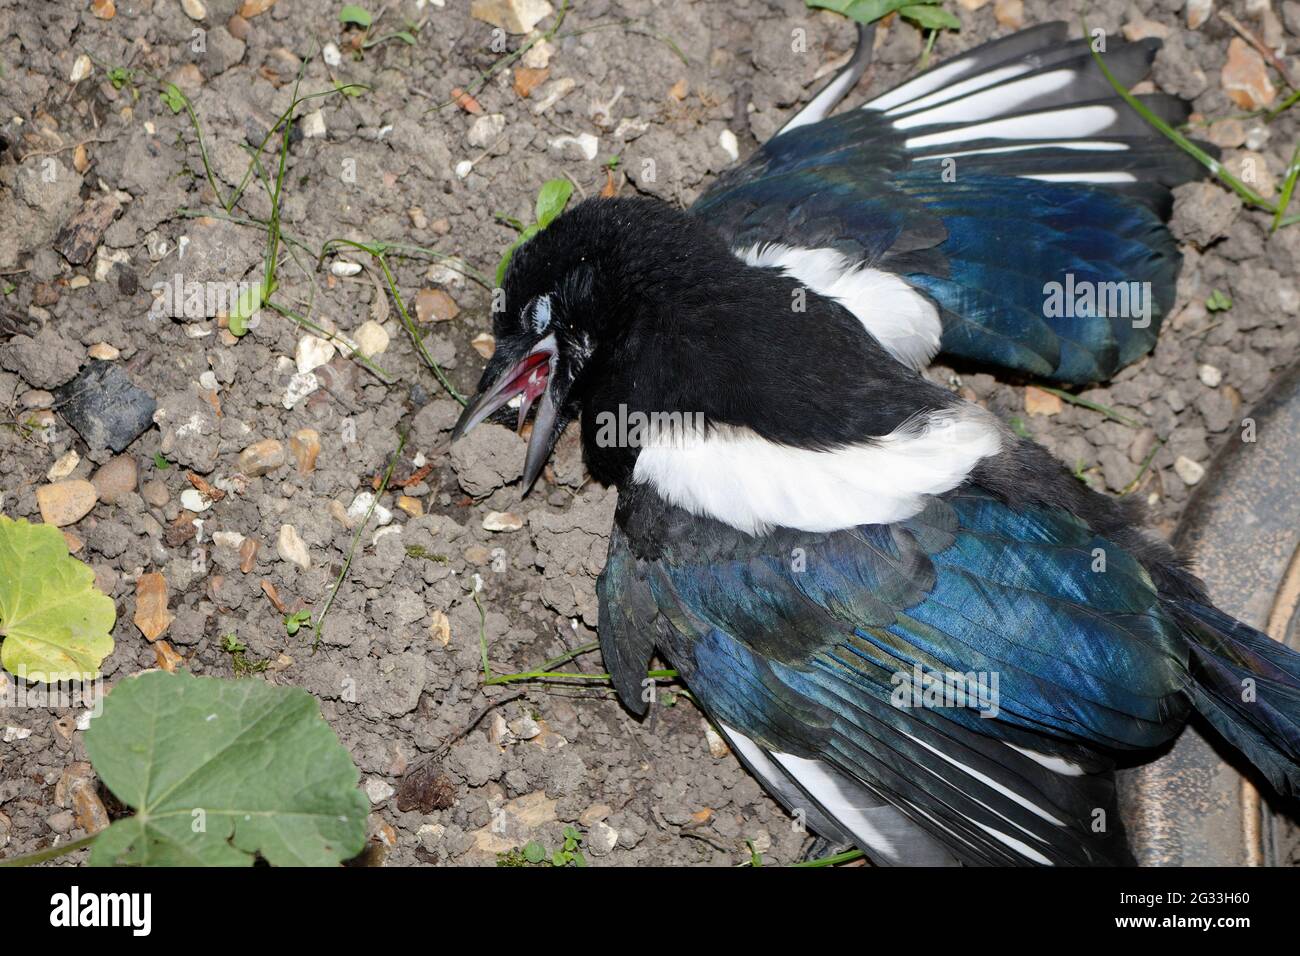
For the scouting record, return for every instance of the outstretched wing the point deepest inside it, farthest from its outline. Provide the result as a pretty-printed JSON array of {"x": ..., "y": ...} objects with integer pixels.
[
  {"x": 1039, "y": 644},
  {"x": 946, "y": 212}
]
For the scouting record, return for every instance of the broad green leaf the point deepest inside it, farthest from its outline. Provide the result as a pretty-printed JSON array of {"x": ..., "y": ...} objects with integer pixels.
[
  {"x": 54, "y": 624},
  {"x": 351, "y": 13},
  {"x": 551, "y": 200},
  {"x": 534, "y": 852},
  {"x": 219, "y": 770},
  {"x": 930, "y": 17}
]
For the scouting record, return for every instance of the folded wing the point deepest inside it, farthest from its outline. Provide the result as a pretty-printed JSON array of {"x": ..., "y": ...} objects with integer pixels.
[{"x": 813, "y": 651}]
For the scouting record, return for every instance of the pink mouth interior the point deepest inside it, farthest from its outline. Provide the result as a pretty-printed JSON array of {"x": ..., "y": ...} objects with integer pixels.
[{"x": 529, "y": 381}]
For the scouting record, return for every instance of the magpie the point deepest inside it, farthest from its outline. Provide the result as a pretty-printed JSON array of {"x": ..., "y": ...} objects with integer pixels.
[{"x": 916, "y": 628}]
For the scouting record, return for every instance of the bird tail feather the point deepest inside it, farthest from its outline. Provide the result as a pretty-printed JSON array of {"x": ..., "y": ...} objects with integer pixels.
[{"x": 1248, "y": 687}]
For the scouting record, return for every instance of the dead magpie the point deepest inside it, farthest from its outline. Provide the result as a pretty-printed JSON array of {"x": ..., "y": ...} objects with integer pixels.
[{"x": 921, "y": 632}]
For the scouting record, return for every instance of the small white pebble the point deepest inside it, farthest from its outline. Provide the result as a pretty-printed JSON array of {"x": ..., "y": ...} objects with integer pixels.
[
  {"x": 727, "y": 140},
  {"x": 1189, "y": 471},
  {"x": 193, "y": 500}
]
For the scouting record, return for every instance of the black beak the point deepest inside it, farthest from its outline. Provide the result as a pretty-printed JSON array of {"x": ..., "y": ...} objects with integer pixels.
[{"x": 529, "y": 379}]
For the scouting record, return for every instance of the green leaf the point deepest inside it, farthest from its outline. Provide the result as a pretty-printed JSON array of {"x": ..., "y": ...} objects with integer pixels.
[
  {"x": 160, "y": 462},
  {"x": 864, "y": 11},
  {"x": 351, "y": 13},
  {"x": 534, "y": 852},
  {"x": 55, "y": 625},
  {"x": 1218, "y": 301},
  {"x": 173, "y": 97},
  {"x": 403, "y": 35},
  {"x": 219, "y": 770},
  {"x": 246, "y": 306},
  {"x": 551, "y": 200},
  {"x": 505, "y": 261},
  {"x": 930, "y": 17}
]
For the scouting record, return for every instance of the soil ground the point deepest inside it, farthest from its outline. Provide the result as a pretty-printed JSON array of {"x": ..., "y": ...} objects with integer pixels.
[{"x": 398, "y": 671}]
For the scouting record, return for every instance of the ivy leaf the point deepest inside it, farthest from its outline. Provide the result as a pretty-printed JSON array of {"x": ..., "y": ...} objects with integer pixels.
[
  {"x": 351, "y": 13},
  {"x": 55, "y": 625},
  {"x": 220, "y": 770},
  {"x": 551, "y": 200}
]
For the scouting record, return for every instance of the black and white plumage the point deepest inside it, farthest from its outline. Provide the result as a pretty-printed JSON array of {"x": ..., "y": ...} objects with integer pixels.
[
  {"x": 810, "y": 527},
  {"x": 953, "y": 199}
]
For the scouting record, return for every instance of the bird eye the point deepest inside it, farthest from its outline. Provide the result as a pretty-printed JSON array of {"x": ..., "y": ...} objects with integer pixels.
[{"x": 541, "y": 320}]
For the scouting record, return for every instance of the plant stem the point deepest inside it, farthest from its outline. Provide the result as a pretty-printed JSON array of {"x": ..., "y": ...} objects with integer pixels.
[
  {"x": 1092, "y": 406},
  {"x": 52, "y": 853},
  {"x": 1288, "y": 189},
  {"x": 343, "y": 572},
  {"x": 482, "y": 637},
  {"x": 557, "y": 675},
  {"x": 1151, "y": 456},
  {"x": 845, "y": 857},
  {"x": 408, "y": 323},
  {"x": 1186, "y": 145}
]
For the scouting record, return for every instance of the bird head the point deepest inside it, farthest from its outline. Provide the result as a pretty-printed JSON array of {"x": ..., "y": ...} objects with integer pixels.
[
  {"x": 570, "y": 295},
  {"x": 628, "y": 307}
]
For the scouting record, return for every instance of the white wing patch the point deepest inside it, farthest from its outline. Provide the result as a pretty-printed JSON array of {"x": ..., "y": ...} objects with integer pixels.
[
  {"x": 1074, "y": 121},
  {"x": 1056, "y": 764},
  {"x": 901, "y": 319},
  {"x": 882, "y": 830},
  {"x": 737, "y": 477},
  {"x": 997, "y": 101}
]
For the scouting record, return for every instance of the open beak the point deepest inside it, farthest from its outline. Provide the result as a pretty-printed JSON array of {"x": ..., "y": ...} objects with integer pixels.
[{"x": 528, "y": 379}]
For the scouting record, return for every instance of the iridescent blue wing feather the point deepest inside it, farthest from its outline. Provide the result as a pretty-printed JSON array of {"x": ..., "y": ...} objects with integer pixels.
[
  {"x": 1009, "y": 187},
  {"x": 803, "y": 644}
]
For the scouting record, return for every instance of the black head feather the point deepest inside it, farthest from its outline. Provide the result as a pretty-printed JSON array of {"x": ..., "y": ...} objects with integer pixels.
[{"x": 653, "y": 313}]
